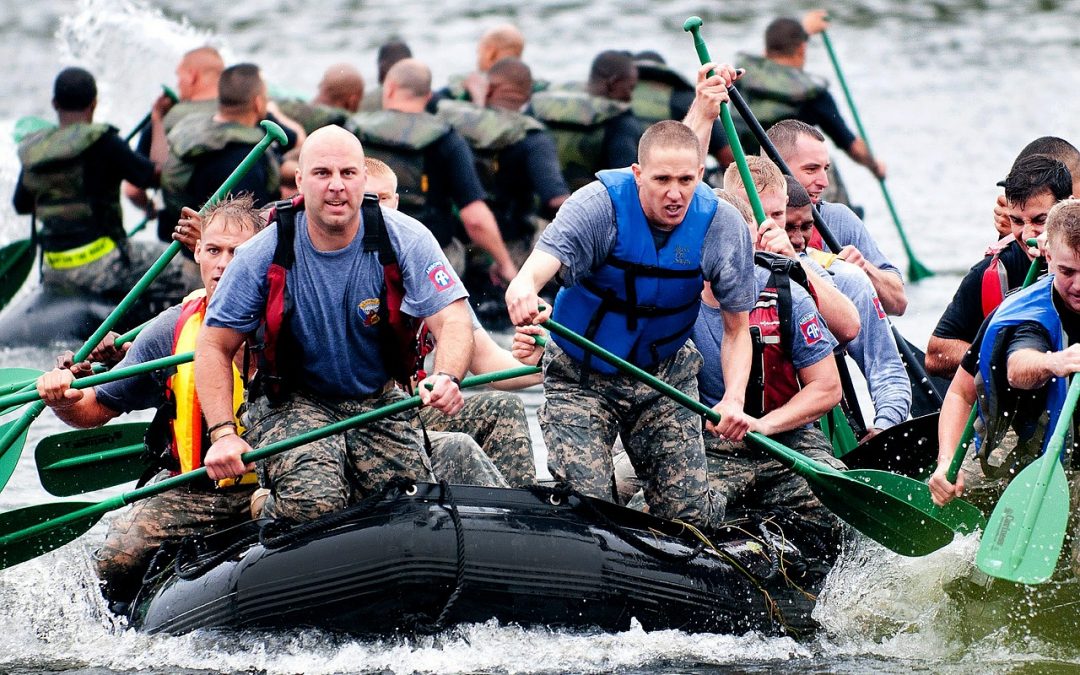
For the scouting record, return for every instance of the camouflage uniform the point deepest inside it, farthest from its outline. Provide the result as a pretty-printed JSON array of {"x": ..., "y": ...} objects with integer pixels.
[
  {"x": 578, "y": 122},
  {"x": 115, "y": 273},
  {"x": 457, "y": 459},
  {"x": 496, "y": 420},
  {"x": 663, "y": 439},
  {"x": 313, "y": 116},
  {"x": 751, "y": 479},
  {"x": 320, "y": 477},
  {"x": 135, "y": 534}
]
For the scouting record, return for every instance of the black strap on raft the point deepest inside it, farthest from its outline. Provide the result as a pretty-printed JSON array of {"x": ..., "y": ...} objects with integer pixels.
[{"x": 562, "y": 491}]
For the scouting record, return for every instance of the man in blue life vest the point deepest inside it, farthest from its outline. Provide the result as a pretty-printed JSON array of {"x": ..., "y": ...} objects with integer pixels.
[
  {"x": 70, "y": 180},
  {"x": 178, "y": 434},
  {"x": 802, "y": 147},
  {"x": 1018, "y": 370},
  {"x": 1034, "y": 184},
  {"x": 632, "y": 251},
  {"x": 777, "y": 87},
  {"x": 331, "y": 295}
]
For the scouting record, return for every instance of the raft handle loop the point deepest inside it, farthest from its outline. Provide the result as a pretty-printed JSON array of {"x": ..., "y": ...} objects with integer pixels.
[
  {"x": 555, "y": 500},
  {"x": 411, "y": 490}
]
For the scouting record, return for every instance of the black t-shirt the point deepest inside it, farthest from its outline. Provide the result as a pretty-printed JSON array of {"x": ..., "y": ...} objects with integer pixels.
[
  {"x": 1028, "y": 335},
  {"x": 528, "y": 169},
  {"x": 451, "y": 170},
  {"x": 681, "y": 100},
  {"x": 821, "y": 111},
  {"x": 621, "y": 136},
  {"x": 112, "y": 162},
  {"x": 964, "y": 315}
]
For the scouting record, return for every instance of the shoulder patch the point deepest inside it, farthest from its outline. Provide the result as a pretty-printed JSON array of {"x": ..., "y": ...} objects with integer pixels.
[
  {"x": 810, "y": 328},
  {"x": 440, "y": 278}
]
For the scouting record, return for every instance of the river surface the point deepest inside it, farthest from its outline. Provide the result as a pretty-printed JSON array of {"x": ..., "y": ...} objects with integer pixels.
[{"x": 949, "y": 91}]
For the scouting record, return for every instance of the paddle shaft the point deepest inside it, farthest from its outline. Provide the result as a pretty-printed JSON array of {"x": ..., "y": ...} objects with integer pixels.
[
  {"x": 800, "y": 463},
  {"x": 21, "y": 397},
  {"x": 96, "y": 510},
  {"x": 914, "y": 364},
  {"x": 694, "y": 28},
  {"x": 918, "y": 271},
  {"x": 1049, "y": 464},
  {"x": 273, "y": 132},
  {"x": 168, "y": 91}
]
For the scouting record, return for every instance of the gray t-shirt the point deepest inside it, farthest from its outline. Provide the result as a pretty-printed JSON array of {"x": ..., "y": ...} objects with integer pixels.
[
  {"x": 336, "y": 299},
  {"x": 849, "y": 230},
  {"x": 147, "y": 390},
  {"x": 584, "y": 231},
  {"x": 811, "y": 340}
]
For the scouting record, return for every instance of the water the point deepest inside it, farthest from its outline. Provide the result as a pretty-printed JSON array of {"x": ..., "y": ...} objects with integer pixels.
[{"x": 949, "y": 92}]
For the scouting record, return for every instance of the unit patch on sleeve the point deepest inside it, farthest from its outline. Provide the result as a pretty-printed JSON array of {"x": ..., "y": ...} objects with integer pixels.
[{"x": 810, "y": 328}]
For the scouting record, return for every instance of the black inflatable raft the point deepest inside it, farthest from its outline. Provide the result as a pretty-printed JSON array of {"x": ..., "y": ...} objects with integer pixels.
[{"x": 427, "y": 556}]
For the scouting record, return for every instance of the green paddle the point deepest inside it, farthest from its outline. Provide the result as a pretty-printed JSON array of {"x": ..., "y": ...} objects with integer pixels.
[
  {"x": 35, "y": 530},
  {"x": 839, "y": 430},
  {"x": 29, "y": 124},
  {"x": 883, "y": 506},
  {"x": 12, "y": 435},
  {"x": 85, "y": 460},
  {"x": 1023, "y": 539},
  {"x": 16, "y": 263},
  {"x": 916, "y": 270},
  {"x": 16, "y": 379}
]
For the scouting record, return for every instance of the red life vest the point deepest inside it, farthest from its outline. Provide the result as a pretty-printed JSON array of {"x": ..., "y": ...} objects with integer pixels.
[
  {"x": 995, "y": 279},
  {"x": 398, "y": 332},
  {"x": 773, "y": 378},
  {"x": 188, "y": 438}
]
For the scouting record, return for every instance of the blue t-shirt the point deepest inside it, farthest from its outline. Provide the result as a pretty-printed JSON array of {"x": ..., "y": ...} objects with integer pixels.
[
  {"x": 849, "y": 230},
  {"x": 145, "y": 391},
  {"x": 584, "y": 231},
  {"x": 336, "y": 300},
  {"x": 809, "y": 345}
]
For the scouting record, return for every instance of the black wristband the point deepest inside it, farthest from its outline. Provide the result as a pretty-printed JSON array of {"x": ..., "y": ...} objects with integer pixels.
[
  {"x": 454, "y": 379},
  {"x": 226, "y": 423}
]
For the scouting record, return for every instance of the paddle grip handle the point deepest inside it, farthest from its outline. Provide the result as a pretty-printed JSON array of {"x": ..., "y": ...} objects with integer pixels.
[
  {"x": 962, "y": 446},
  {"x": 693, "y": 26}
]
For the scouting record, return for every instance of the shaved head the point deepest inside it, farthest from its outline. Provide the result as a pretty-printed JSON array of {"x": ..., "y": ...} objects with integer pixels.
[
  {"x": 329, "y": 137},
  {"x": 342, "y": 86},
  {"x": 198, "y": 73},
  {"x": 203, "y": 59},
  {"x": 510, "y": 84},
  {"x": 499, "y": 43},
  {"x": 412, "y": 76}
]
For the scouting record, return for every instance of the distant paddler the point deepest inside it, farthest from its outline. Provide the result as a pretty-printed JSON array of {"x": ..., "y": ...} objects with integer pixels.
[{"x": 70, "y": 181}]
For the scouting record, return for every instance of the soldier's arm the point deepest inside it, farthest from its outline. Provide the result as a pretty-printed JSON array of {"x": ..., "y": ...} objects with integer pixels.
[
  {"x": 820, "y": 391},
  {"x": 75, "y": 407}
]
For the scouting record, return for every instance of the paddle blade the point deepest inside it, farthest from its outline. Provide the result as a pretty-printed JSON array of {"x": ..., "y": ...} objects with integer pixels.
[
  {"x": 82, "y": 461},
  {"x": 13, "y": 380},
  {"x": 909, "y": 448},
  {"x": 1027, "y": 528},
  {"x": 45, "y": 539},
  {"x": 889, "y": 519},
  {"x": 957, "y": 515},
  {"x": 917, "y": 271},
  {"x": 16, "y": 261},
  {"x": 10, "y": 456}
]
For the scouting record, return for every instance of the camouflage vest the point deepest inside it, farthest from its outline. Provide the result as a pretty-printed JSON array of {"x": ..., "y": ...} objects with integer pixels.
[
  {"x": 184, "y": 108},
  {"x": 55, "y": 171},
  {"x": 401, "y": 139},
  {"x": 488, "y": 131},
  {"x": 195, "y": 136},
  {"x": 576, "y": 120},
  {"x": 651, "y": 100},
  {"x": 775, "y": 92},
  {"x": 313, "y": 116},
  {"x": 372, "y": 101}
]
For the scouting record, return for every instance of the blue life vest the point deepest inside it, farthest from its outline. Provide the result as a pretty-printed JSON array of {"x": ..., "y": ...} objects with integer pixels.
[
  {"x": 1035, "y": 303},
  {"x": 641, "y": 303}
]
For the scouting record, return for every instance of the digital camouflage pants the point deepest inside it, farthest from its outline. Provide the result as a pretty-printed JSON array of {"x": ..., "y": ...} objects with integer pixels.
[
  {"x": 322, "y": 477},
  {"x": 497, "y": 421},
  {"x": 662, "y": 438},
  {"x": 136, "y": 533},
  {"x": 113, "y": 275}
]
